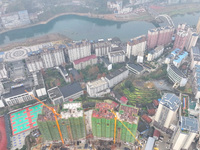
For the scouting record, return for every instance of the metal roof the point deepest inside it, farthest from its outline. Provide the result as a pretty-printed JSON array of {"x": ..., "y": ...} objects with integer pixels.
[
  {"x": 150, "y": 143},
  {"x": 170, "y": 101},
  {"x": 70, "y": 89},
  {"x": 189, "y": 124},
  {"x": 116, "y": 73}
]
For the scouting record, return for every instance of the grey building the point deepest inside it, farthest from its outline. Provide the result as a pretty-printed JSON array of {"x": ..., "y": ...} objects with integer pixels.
[
  {"x": 117, "y": 56},
  {"x": 135, "y": 68}
]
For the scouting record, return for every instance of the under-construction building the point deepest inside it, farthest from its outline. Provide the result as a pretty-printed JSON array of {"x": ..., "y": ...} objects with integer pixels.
[
  {"x": 103, "y": 122},
  {"x": 71, "y": 123}
]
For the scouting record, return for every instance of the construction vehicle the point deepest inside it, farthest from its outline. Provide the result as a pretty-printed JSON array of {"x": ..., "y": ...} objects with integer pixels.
[
  {"x": 53, "y": 111},
  {"x": 116, "y": 118}
]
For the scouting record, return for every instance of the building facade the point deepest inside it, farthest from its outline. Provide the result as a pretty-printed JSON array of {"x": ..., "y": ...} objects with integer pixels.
[
  {"x": 198, "y": 26},
  {"x": 77, "y": 50},
  {"x": 40, "y": 89},
  {"x": 82, "y": 63},
  {"x": 195, "y": 57},
  {"x": 136, "y": 46},
  {"x": 196, "y": 81},
  {"x": 179, "y": 59},
  {"x": 180, "y": 39},
  {"x": 98, "y": 88},
  {"x": 3, "y": 71},
  {"x": 101, "y": 47},
  {"x": 117, "y": 76},
  {"x": 192, "y": 39},
  {"x": 157, "y": 52},
  {"x": 176, "y": 76},
  {"x": 117, "y": 56}
]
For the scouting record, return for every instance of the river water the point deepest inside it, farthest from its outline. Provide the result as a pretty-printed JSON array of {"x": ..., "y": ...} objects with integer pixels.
[{"x": 78, "y": 27}]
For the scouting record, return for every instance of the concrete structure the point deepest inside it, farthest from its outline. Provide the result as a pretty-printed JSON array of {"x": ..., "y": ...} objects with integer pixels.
[
  {"x": 195, "y": 57},
  {"x": 150, "y": 144},
  {"x": 17, "y": 96},
  {"x": 178, "y": 60},
  {"x": 39, "y": 84},
  {"x": 17, "y": 73},
  {"x": 3, "y": 71},
  {"x": 117, "y": 76},
  {"x": 34, "y": 61},
  {"x": 181, "y": 39},
  {"x": 101, "y": 47},
  {"x": 136, "y": 46},
  {"x": 157, "y": 52},
  {"x": 136, "y": 69},
  {"x": 98, "y": 87},
  {"x": 159, "y": 36},
  {"x": 196, "y": 81},
  {"x": 116, "y": 56},
  {"x": 185, "y": 133},
  {"x": 167, "y": 111},
  {"x": 82, "y": 63},
  {"x": 192, "y": 39},
  {"x": 53, "y": 56},
  {"x": 66, "y": 93},
  {"x": 198, "y": 26},
  {"x": 176, "y": 76},
  {"x": 77, "y": 50}
]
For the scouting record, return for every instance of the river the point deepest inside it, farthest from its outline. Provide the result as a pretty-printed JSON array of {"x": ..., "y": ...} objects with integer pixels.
[{"x": 78, "y": 27}]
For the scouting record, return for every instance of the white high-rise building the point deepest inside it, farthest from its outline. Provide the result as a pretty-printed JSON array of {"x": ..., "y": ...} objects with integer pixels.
[
  {"x": 192, "y": 39},
  {"x": 136, "y": 46},
  {"x": 167, "y": 111},
  {"x": 102, "y": 47},
  {"x": 77, "y": 50},
  {"x": 186, "y": 131},
  {"x": 3, "y": 72},
  {"x": 116, "y": 56}
]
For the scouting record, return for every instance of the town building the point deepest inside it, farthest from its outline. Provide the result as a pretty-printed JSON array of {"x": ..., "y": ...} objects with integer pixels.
[
  {"x": 166, "y": 112},
  {"x": 34, "y": 61},
  {"x": 196, "y": 81},
  {"x": 172, "y": 55},
  {"x": 192, "y": 39},
  {"x": 82, "y": 63},
  {"x": 39, "y": 84},
  {"x": 136, "y": 46},
  {"x": 198, "y": 26},
  {"x": 136, "y": 69},
  {"x": 178, "y": 60},
  {"x": 101, "y": 47},
  {"x": 18, "y": 95},
  {"x": 66, "y": 93},
  {"x": 117, "y": 76},
  {"x": 117, "y": 56},
  {"x": 186, "y": 131},
  {"x": 176, "y": 75},
  {"x": 53, "y": 56},
  {"x": 18, "y": 71},
  {"x": 180, "y": 39},
  {"x": 98, "y": 87},
  {"x": 159, "y": 36},
  {"x": 157, "y": 52},
  {"x": 140, "y": 58},
  {"x": 195, "y": 57},
  {"x": 3, "y": 71},
  {"x": 71, "y": 123},
  {"x": 103, "y": 122},
  {"x": 79, "y": 49}
]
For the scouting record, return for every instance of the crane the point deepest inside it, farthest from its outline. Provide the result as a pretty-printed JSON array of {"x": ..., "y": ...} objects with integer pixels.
[
  {"x": 116, "y": 118},
  {"x": 53, "y": 111}
]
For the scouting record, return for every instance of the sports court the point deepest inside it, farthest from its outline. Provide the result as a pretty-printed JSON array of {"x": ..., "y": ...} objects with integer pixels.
[
  {"x": 3, "y": 139},
  {"x": 25, "y": 119}
]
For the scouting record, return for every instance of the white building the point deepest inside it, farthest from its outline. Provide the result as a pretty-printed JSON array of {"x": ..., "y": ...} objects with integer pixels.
[
  {"x": 39, "y": 84},
  {"x": 102, "y": 47},
  {"x": 52, "y": 57},
  {"x": 157, "y": 52},
  {"x": 176, "y": 76},
  {"x": 195, "y": 57},
  {"x": 3, "y": 71},
  {"x": 116, "y": 56},
  {"x": 178, "y": 60},
  {"x": 77, "y": 50},
  {"x": 192, "y": 39},
  {"x": 136, "y": 46},
  {"x": 17, "y": 96},
  {"x": 98, "y": 88},
  {"x": 136, "y": 69},
  {"x": 185, "y": 133},
  {"x": 117, "y": 76},
  {"x": 167, "y": 111},
  {"x": 82, "y": 63}
]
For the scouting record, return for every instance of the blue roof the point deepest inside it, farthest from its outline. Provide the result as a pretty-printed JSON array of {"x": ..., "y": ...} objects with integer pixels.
[
  {"x": 180, "y": 57},
  {"x": 2, "y": 53},
  {"x": 175, "y": 52}
]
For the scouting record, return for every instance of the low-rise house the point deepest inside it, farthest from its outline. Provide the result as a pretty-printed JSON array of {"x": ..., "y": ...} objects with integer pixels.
[
  {"x": 82, "y": 63},
  {"x": 136, "y": 69}
]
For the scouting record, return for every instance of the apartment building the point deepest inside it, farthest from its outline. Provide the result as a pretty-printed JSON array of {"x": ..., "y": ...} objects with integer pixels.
[
  {"x": 3, "y": 71},
  {"x": 196, "y": 81},
  {"x": 181, "y": 39},
  {"x": 195, "y": 57},
  {"x": 101, "y": 47},
  {"x": 117, "y": 56},
  {"x": 157, "y": 52}
]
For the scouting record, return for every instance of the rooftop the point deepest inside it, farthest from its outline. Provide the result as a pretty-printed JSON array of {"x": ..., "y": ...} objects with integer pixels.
[
  {"x": 97, "y": 83},
  {"x": 117, "y": 53},
  {"x": 175, "y": 52},
  {"x": 78, "y": 61},
  {"x": 181, "y": 56},
  {"x": 54, "y": 93},
  {"x": 170, "y": 101},
  {"x": 136, "y": 67},
  {"x": 70, "y": 89},
  {"x": 116, "y": 73},
  {"x": 150, "y": 143},
  {"x": 189, "y": 124},
  {"x": 16, "y": 91},
  {"x": 138, "y": 40},
  {"x": 177, "y": 71}
]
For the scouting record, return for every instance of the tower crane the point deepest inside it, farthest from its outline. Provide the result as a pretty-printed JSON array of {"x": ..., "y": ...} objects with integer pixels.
[
  {"x": 53, "y": 111},
  {"x": 116, "y": 118}
]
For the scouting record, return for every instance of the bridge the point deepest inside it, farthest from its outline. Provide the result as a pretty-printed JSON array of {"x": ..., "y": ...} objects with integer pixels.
[{"x": 168, "y": 18}]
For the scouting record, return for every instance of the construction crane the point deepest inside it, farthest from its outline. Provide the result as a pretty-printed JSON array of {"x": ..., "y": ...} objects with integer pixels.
[
  {"x": 53, "y": 111},
  {"x": 116, "y": 118}
]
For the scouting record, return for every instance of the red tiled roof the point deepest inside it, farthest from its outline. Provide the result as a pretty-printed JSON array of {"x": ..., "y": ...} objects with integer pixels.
[
  {"x": 151, "y": 112},
  {"x": 156, "y": 133},
  {"x": 78, "y": 61},
  {"x": 124, "y": 99},
  {"x": 146, "y": 118},
  {"x": 115, "y": 104},
  {"x": 156, "y": 103}
]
